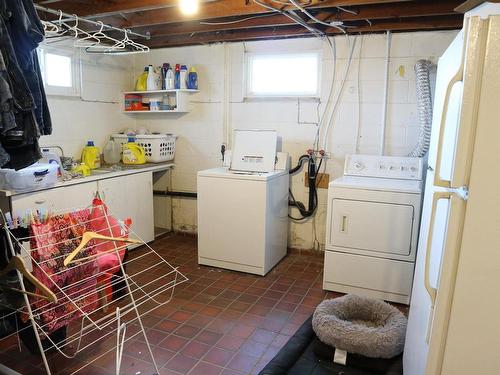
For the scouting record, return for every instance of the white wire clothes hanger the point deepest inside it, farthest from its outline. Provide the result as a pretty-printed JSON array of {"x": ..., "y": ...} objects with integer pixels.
[
  {"x": 126, "y": 46},
  {"x": 99, "y": 42}
]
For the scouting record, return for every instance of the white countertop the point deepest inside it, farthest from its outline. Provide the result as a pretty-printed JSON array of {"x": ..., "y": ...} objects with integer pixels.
[{"x": 150, "y": 167}]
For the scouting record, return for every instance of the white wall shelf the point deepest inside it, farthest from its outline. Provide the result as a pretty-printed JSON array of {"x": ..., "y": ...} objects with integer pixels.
[
  {"x": 177, "y": 97},
  {"x": 189, "y": 91}
]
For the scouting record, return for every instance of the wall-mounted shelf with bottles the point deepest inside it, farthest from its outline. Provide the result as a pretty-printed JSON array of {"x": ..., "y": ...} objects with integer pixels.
[{"x": 160, "y": 101}]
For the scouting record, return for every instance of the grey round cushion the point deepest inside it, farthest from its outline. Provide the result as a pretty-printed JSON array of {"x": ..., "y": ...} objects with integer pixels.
[{"x": 361, "y": 325}]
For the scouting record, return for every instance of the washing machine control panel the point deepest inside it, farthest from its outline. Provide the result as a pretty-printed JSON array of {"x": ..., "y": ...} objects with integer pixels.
[{"x": 399, "y": 167}]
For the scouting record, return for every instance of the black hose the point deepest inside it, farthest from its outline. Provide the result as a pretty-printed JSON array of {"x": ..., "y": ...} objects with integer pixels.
[
  {"x": 301, "y": 161},
  {"x": 313, "y": 193}
]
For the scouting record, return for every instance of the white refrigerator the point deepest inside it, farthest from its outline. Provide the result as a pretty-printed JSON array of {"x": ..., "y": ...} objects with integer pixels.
[{"x": 454, "y": 318}]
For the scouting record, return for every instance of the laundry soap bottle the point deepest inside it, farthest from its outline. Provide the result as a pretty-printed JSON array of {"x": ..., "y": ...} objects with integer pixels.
[
  {"x": 169, "y": 78},
  {"x": 192, "y": 79},
  {"x": 141, "y": 83},
  {"x": 177, "y": 76},
  {"x": 91, "y": 155},
  {"x": 151, "y": 81},
  {"x": 132, "y": 153},
  {"x": 183, "y": 76},
  {"x": 112, "y": 153}
]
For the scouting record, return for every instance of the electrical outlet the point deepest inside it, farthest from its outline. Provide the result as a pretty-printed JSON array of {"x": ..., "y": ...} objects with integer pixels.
[{"x": 321, "y": 181}]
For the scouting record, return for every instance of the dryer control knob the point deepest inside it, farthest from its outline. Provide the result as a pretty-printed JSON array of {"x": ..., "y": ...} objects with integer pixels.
[{"x": 358, "y": 166}]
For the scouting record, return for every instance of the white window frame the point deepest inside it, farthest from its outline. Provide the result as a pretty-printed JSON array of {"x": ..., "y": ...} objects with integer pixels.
[
  {"x": 73, "y": 53},
  {"x": 249, "y": 56}
]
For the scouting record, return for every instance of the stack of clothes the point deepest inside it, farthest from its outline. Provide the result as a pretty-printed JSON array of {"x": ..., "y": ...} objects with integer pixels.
[{"x": 24, "y": 114}]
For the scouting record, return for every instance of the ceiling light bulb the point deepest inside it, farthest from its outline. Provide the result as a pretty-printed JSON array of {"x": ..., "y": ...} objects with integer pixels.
[{"x": 189, "y": 7}]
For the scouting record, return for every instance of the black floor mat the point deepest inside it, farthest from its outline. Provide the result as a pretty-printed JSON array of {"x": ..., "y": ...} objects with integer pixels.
[{"x": 298, "y": 357}]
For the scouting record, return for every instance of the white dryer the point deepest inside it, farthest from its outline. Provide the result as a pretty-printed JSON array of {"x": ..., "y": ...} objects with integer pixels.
[{"x": 372, "y": 227}]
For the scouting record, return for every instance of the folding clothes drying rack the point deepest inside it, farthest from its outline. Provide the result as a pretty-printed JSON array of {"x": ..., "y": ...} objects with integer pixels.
[{"x": 149, "y": 284}]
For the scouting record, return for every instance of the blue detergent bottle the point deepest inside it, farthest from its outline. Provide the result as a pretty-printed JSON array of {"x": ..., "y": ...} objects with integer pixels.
[
  {"x": 177, "y": 76},
  {"x": 192, "y": 79}
]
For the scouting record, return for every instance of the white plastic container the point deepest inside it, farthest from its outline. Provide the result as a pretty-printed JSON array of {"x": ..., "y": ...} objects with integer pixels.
[
  {"x": 36, "y": 176},
  {"x": 158, "y": 147},
  {"x": 112, "y": 152}
]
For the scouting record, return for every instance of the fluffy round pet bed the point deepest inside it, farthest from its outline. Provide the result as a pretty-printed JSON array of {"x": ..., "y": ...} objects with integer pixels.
[{"x": 361, "y": 325}]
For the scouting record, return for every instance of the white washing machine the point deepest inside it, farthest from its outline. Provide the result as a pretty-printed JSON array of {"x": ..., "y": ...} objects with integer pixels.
[
  {"x": 243, "y": 214},
  {"x": 372, "y": 227}
]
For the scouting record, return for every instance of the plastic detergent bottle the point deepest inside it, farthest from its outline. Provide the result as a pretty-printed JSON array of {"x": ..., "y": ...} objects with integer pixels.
[
  {"x": 141, "y": 83},
  {"x": 169, "y": 78},
  {"x": 132, "y": 153},
  {"x": 151, "y": 82},
  {"x": 177, "y": 76},
  {"x": 112, "y": 152},
  {"x": 183, "y": 76},
  {"x": 91, "y": 155},
  {"x": 192, "y": 79},
  {"x": 164, "y": 69}
]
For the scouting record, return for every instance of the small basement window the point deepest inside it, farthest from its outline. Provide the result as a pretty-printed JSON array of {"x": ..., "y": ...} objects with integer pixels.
[
  {"x": 60, "y": 71},
  {"x": 282, "y": 75}
]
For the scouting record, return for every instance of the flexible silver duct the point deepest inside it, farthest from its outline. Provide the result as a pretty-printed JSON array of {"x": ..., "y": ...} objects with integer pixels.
[{"x": 424, "y": 106}]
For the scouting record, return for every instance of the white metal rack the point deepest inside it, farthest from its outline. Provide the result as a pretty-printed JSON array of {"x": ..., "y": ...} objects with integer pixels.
[{"x": 147, "y": 282}]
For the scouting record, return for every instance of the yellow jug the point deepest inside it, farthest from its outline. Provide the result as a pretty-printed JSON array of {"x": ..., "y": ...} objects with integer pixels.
[
  {"x": 141, "y": 83},
  {"x": 132, "y": 153},
  {"x": 91, "y": 156}
]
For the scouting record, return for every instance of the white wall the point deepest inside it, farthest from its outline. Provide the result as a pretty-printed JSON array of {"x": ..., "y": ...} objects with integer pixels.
[
  {"x": 96, "y": 113},
  {"x": 203, "y": 130}
]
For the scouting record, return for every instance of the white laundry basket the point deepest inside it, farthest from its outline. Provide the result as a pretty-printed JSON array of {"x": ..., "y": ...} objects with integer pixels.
[{"x": 158, "y": 147}]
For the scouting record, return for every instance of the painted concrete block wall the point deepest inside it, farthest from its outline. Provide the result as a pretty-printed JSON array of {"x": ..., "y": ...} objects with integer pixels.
[
  {"x": 97, "y": 112},
  {"x": 219, "y": 108}
]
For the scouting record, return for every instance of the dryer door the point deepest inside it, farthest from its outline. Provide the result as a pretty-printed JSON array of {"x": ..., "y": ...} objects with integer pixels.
[{"x": 377, "y": 227}]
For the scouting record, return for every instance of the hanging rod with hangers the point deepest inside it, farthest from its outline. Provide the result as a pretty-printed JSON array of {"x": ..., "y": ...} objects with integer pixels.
[{"x": 95, "y": 23}]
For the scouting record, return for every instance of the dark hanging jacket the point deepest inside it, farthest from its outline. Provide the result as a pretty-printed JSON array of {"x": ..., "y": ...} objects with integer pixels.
[{"x": 23, "y": 104}]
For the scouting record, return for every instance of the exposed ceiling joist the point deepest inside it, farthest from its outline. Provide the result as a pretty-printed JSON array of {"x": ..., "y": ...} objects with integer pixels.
[
  {"x": 431, "y": 23},
  {"x": 370, "y": 12},
  {"x": 236, "y": 20},
  {"x": 207, "y": 10}
]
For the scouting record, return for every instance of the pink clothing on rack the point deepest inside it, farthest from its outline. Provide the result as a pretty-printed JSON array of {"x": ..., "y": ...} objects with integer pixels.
[
  {"x": 107, "y": 225},
  {"x": 51, "y": 242}
]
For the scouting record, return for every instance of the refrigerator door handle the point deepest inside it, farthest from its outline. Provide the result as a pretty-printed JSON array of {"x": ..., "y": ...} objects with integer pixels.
[
  {"x": 435, "y": 199},
  {"x": 458, "y": 77},
  {"x": 461, "y": 193}
]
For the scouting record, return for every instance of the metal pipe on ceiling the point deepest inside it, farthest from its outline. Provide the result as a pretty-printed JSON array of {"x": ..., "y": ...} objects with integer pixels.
[{"x": 106, "y": 26}]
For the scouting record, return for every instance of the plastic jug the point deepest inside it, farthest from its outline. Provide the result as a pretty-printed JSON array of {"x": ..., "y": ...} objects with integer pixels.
[
  {"x": 169, "y": 79},
  {"x": 133, "y": 153},
  {"x": 50, "y": 157},
  {"x": 141, "y": 83},
  {"x": 91, "y": 156},
  {"x": 112, "y": 152},
  {"x": 151, "y": 80}
]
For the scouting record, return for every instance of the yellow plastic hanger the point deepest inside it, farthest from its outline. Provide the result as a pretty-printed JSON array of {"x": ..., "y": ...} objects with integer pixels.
[
  {"x": 87, "y": 236},
  {"x": 16, "y": 263}
]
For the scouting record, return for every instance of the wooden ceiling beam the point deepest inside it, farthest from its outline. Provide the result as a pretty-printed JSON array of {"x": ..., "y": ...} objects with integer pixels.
[
  {"x": 371, "y": 12},
  {"x": 135, "y": 17},
  {"x": 429, "y": 23}
]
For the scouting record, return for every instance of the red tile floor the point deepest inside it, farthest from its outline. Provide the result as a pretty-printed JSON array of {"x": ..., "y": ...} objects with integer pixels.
[{"x": 219, "y": 322}]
